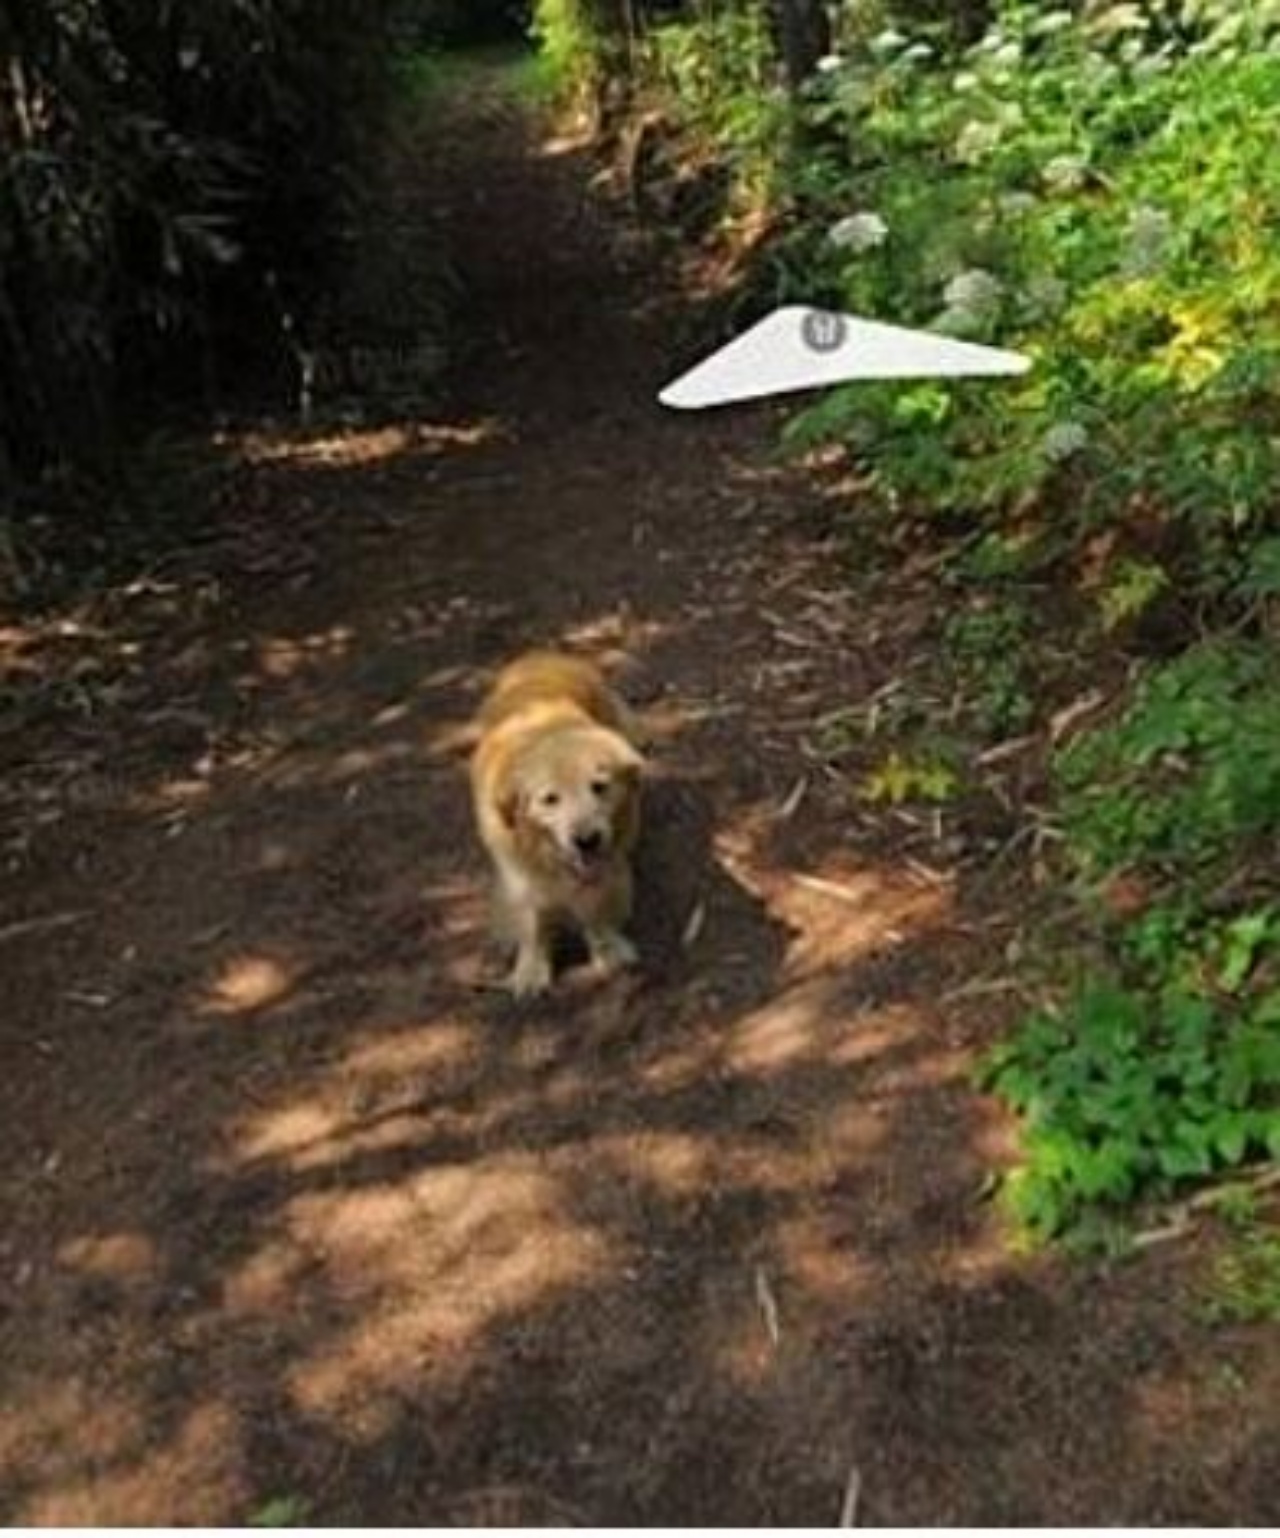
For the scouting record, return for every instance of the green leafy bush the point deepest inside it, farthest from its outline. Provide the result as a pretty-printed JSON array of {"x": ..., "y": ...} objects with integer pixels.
[
  {"x": 717, "y": 70},
  {"x": 567, "y": 41},
  {"x": 587, "y": 47},
  {"x": 1094, "y": 188},
  {"x": 1126, "y": 1092},
  {"x": 1170, "y": 1067},
  {"x": 1189, "y": 776},
  {"x": 1096, "y": 195}
]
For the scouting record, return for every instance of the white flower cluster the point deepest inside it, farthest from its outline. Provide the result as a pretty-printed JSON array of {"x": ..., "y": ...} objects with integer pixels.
[
  {"x": 1051, "y": 22},
  {"x": 888, "y": 41},
  {"x": 1001, "y": 51},
  {"x": 1064, "y": 440},
  {"x": 1066, "y": 173},
  {"x": 972, "y": 298},
  {"x": 859, "y": 232},
  {"x": 1127, "y": 17},
  {"x": 975, "y": 289},
  {"x": 977, "y": 140}
]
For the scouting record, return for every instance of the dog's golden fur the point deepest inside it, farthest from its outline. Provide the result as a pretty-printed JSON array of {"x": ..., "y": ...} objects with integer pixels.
[{"x": 555, "y": 786}]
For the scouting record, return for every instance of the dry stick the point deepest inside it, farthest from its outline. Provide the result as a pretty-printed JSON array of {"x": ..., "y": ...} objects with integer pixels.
[
  {"x": 982, "y": 987},
  {"x": 694, "y": 924},
  {"x": 1063, "y": 720},
  {"x": 1264, "y": 1179},
  {"x": 768, "y": 1306},
  {"x": 1008, "y": 749},
  {"x": 852, "y": 1495},
  {"x": 793, "y": 799},
  {"x": 36, "y": 926},
  {"x": 844, "y": 894},
  {"x": 927, "y": 873}
]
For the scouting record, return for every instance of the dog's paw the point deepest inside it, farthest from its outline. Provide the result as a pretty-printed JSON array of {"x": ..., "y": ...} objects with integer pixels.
[
  {"x": 530, "y": 977},
  {"x": 612, "y": 952}
]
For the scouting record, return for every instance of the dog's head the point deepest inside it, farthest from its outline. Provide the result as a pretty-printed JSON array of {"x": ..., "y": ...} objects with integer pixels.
[{"x": 571, "y": 795}]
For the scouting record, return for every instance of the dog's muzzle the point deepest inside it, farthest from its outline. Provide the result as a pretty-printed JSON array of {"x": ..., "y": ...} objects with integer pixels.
[{"x": 589, "y": 853}]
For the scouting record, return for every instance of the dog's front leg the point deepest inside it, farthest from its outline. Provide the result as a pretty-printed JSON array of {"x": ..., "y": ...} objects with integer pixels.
[
  {"x": 531, "y": 974},
  {"x": 519, "y": 925}
]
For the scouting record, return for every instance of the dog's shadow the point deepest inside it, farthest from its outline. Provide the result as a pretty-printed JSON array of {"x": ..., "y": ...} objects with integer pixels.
[
  {"x": 687, "y": 905},
  {"x": 691, "y": 915}
]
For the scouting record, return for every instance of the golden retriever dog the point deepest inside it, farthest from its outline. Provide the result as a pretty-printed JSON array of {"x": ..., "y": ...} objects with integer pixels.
[{"x": 555, "y": 784}]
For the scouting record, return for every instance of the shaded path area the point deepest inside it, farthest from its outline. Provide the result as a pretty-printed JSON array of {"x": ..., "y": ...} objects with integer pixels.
[{"x": 296, "y": 1210}]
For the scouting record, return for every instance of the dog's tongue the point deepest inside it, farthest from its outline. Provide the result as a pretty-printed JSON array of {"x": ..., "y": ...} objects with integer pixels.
[{"x": 589, "y": 868}]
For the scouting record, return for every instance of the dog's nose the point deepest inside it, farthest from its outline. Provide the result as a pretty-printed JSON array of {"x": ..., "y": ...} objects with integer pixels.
[{"x": 589, "y": 843}]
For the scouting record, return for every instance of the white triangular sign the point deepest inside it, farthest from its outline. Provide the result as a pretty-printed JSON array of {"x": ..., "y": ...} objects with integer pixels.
[{"x": 801, "y": 349}]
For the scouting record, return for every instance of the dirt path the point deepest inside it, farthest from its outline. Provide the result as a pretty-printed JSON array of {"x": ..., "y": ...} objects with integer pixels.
[{"x": 294, "y": 1212}]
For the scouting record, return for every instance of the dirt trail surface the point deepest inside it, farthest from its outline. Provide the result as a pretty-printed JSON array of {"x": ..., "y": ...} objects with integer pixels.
[{"x": 301, "y": 1220}]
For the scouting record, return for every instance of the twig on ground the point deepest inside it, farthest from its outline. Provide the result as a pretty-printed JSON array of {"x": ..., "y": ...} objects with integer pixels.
[
  {"x": 927, "y": 873},
  {"x": 844, "y": 894},
  {"x": 24, "y": 927},
  {"x": 693, "y": 714},
  {"x": 993, "y": 786},
  {"x": 982, "y": 987},
  {"x": 1183, "y": 1216},
  {"x": 792, "y": 800},
  {"x": 1009, "y": 749},
  {"x": 89, "y": 998},
  {"x": 768, "y": 1307},
  {"x": 852, "y": 1496},
  {"x": 1063, "y": 720}
]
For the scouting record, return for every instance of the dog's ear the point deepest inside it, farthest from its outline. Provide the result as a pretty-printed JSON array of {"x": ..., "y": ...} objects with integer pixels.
[
  {"x": 629, "y": 760},
  {"x": 509, "y": 799}
]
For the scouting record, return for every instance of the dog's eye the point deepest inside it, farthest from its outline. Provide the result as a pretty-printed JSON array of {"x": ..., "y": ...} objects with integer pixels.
[
  {"x": 599, "y": 787},
  {"x": 550, "y": 798}
]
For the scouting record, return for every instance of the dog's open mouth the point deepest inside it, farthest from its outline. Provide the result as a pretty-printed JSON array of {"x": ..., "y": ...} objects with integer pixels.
[{"x": 588, "y": 866}]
